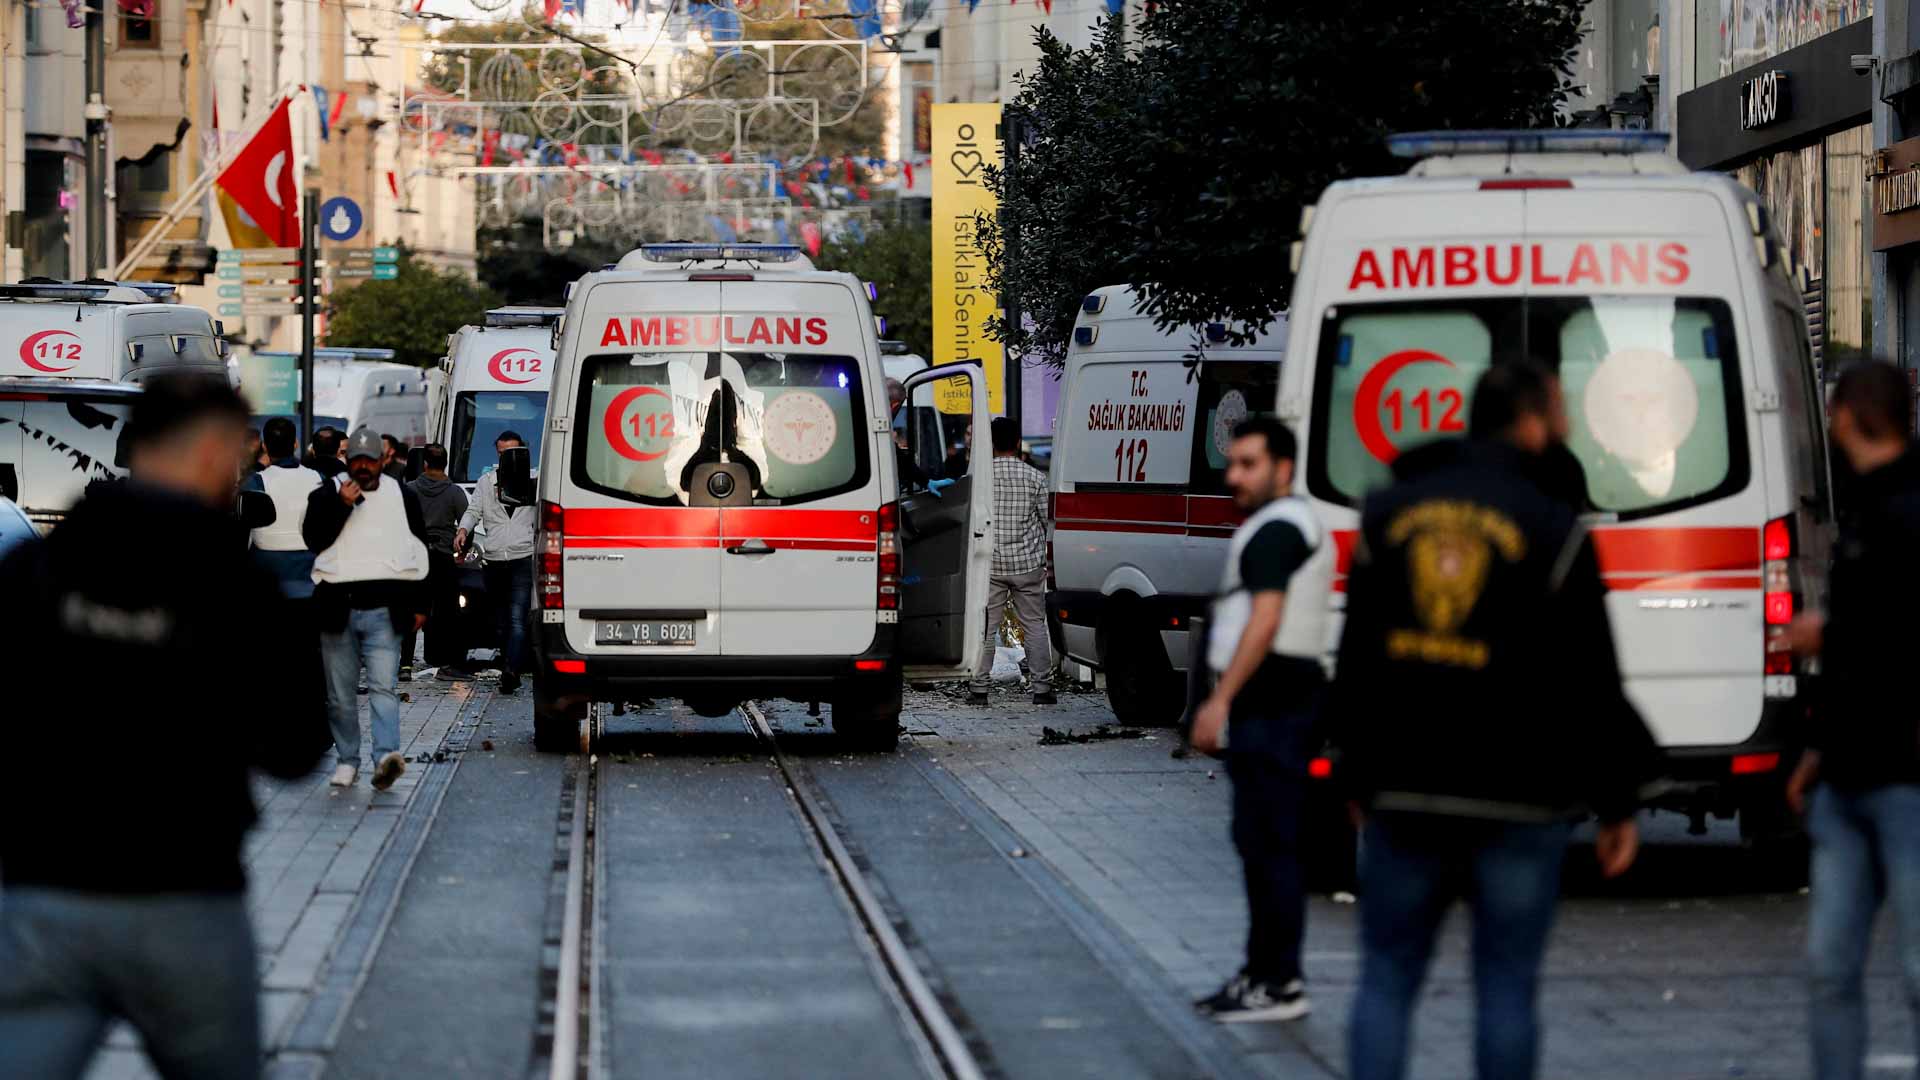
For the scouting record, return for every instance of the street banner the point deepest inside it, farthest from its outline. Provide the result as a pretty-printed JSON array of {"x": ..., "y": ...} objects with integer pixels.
[
  {"x": 965, "y": 141},
  {"x": 271, "y": 383}
]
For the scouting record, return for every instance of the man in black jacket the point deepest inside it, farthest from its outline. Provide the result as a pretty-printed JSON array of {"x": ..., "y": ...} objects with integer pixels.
[
  {"x": 1478, "y": 712},
  {"x": 370, "y": 566},
  {"x": 1864, "y": 744},
  {"x": 126, "y": 900}
]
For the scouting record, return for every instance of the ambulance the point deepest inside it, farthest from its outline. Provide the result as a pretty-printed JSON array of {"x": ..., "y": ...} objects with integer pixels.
[
  {"x": 1141, "y": 513},
  {"x": 1669, "y": 306},
  {"x": 721, "y": 513},
  {"x": 494, "y": 379},
  {"x": 390, "y": 398},
  {"x": 118, "y": 331},
  {"x": 57, "y": 435}
]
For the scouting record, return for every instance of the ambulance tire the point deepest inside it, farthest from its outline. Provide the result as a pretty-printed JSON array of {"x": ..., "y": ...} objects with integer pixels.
[
  {"x": 868, "y": 718},
  {"x": 1142, "y": 687},
  {"x": 556, "y": 728}
]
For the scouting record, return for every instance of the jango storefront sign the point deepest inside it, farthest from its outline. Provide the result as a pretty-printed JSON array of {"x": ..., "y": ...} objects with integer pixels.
[{"x": 1763, "y": 100}]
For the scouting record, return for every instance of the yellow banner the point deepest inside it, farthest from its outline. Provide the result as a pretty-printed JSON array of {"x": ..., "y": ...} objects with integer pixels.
[{"x": 965, "y": 141}]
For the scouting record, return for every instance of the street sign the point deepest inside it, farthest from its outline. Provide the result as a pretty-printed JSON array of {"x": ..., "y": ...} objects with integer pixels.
[
  {"x": 260, "y": 255},
  {"x": 361, "y": 255},
  {"x": 375, "y": 271},
  {"x": 340, "y": 218},
  {"x": 263, "y": 290},
  {"x": 228, "y": 311}
]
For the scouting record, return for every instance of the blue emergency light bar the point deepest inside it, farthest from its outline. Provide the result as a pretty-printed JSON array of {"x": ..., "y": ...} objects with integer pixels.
[
  {"x": 523, "y": 316},
  {"x": 158, "y": 291},
  {"x": 121, "y": 294},
  {"x": 723, "y": 252},
  {"x": 1422, "y": 144}
]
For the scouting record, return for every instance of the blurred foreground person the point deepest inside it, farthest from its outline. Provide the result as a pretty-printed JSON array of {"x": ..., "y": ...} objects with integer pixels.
[
  {"x": 1478, "y": 712},
  {"x": 127, "y": 901},
  {"x": 1265, "y": 633},
  {"x": 1864, "y": 745}
]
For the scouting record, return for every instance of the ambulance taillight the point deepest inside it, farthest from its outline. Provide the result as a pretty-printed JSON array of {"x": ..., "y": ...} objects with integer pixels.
[
  {"x": 551, "y": 584},
  {"x": 888, "y": 599},
  {"x": 1779, "y": 602}
]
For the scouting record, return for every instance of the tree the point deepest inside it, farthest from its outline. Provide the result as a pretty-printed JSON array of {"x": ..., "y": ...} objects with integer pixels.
[
  {"x": 412, "y": 314},
  {"x": 1180, "y": 164},
  {"x": 514, "y": 263},
  {"x": 899, "y": 261}
]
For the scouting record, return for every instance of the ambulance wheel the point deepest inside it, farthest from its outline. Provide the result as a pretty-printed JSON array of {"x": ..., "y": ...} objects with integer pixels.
[
  {"x": 868, "y": 718},
  {"x": 556, "y": 727},
  {"x": 1142, "y": 687}
]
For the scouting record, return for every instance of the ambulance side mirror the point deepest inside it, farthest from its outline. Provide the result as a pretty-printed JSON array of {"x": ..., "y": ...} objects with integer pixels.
[
  {"x": 416, "y": 463},
  {"x": 255, "y": 509},
  {"x": 515, "y": 478}
]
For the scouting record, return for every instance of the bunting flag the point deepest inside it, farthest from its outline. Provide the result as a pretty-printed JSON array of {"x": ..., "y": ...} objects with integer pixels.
[
  {"x": 393, "y": 184},
  {"x": 971, "y": 4},
  {"x": 339, "y": 106},
  {"x": 489, "y": 143},
  {"x": 260, "y": 186},
  {"x": 440, "y": 139},
  {"x": 850, "y": 179},
  {"x": 810, "y": 236},
  {"x": 1115, "y": 7},
  {"x": 553, "y": 9},
  {"x": 320, "y": 94},
  {"x": 907, "y": 168}
]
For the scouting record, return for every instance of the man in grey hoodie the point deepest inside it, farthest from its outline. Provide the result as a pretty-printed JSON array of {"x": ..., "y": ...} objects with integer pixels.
[
  {"x": 442, "y": 502},
  {"x": 507, "y": 544}
]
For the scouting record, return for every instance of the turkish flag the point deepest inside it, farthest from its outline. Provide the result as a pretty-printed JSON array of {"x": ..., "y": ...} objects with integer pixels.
[{"x": 261, "y": 180}]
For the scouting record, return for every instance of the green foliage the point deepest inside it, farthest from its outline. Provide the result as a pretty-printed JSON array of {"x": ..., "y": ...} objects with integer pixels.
[
  {"x": 1180, "y": 163},
  {"x": 514, "y": 263},
  {"x": 899, "y": 260},
  {"x": 411, "y": 314}
]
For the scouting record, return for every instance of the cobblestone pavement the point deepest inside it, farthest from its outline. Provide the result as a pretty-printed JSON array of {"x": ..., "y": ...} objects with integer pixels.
[
  {"x": 308, "y": 859},
  {"x": 1690, "y": 967}
]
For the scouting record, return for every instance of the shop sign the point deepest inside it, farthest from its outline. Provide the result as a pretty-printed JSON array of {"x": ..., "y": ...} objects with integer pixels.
[
  {"x": 1763, "y": 100},
  {"x": 1893, "y": 176}
]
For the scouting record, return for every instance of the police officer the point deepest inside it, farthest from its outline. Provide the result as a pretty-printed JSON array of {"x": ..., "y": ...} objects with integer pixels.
[
  {"x": 1266, "y": 631},
  {"x": 1478, "y": 712}
]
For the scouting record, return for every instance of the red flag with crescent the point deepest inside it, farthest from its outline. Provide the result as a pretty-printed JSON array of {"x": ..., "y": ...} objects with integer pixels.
[{"x": 261, "y": 180}]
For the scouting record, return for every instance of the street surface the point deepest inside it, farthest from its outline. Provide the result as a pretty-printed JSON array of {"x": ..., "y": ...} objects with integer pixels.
[{"x": 1062, "y": 903}]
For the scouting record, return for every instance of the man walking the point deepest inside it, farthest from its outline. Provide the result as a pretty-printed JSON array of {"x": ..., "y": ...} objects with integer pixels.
[
  {"x": 507, "y": 545},
  {"x": 442, "y": 504},
  {"x": 394, "y": 462},
  {"x": 1864, "y": 745},
  {"x": 369, "y": 588},
  {"x": 1266, "y": 631},
  {"x": 130, "y": 904},
  {"x": 1019, "y": 564},
  {"x": 282, "y": 546},
  {"x": 1478, "y": 712},
  {"x": 326, "y": 454}
]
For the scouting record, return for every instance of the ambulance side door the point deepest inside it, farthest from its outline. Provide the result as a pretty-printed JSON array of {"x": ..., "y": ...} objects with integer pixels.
[{"x": 946, "y": 541}]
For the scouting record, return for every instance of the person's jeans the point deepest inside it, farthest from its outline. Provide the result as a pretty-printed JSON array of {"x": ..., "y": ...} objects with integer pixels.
[
  {"x": 1029, "y": 594},
  {"x": 1866, "y": 852},
  {"x": 368, "y": 639},
  {"x": 445, "y": 644},
  {"x": 510, "y": 591},
  {"x": 179, "y": 967},
  {"x": 1269, "y": 798},
  {"x": 1412, "y": 867}
]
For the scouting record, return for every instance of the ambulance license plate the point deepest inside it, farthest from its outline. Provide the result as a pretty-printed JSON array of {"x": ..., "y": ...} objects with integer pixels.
[{"x": 645, "y": 632}]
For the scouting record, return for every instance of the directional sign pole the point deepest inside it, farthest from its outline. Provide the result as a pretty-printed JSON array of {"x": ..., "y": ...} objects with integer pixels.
[{"x": 309, "y": 226}]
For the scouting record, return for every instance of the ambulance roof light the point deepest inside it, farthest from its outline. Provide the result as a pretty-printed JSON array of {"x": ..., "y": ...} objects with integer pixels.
[
  {"x": 679, "y": 252},
  {"x": 1421, "y": 144},
  {"x": 523, "y": 316},
  {"x": 63, "y": 290}
]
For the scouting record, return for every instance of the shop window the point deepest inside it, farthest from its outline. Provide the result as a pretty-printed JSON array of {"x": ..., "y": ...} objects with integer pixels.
[
  {"x": 140, "y": 24},
  {"x": 49, "y": 195}
]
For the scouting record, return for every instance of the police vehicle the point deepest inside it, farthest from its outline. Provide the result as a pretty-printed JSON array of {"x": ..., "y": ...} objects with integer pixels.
[
  {"x": 721, "y": 510},
  {"x": 1669, "y": 307}
]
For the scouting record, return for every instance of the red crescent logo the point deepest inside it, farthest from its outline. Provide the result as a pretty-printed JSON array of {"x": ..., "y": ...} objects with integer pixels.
[
  {"x": 616, "y": 412},
  {"x": 1366, "y": 400},
  {"x": 496, "y": 366},
  {"x": 61, "y": 350}
]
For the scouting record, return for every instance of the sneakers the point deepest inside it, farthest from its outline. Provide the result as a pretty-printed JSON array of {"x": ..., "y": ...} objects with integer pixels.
[
  {"x": 343, "y": 775},
  {"x": 509, "y": 682},
  {"x": 977, "y": 700},
  {"x": 449, "y": 673},
  {"x": 387, "y": 770},
  {"x": 1246, "y": 1000},
  {"x": 406, "y": 672},
  {"x": 1045, "y": 697}
]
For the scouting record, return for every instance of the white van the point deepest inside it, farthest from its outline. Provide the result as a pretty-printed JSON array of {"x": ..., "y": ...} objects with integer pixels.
[
  {"x": 387, "y": 397},
  {"x": 494, "y": 379},
  {"x": 1141, "y": 514},
  {"x": 118, "y": 331},
  {"x": 721, "y": 514},
  {"x": 1666, "y": 303},
  {"x": 57, "y": 435}
]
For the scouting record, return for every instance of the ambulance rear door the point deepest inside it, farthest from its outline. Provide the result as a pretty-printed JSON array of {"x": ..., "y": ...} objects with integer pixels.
[
  {"x": 72, "y": 341},
  {"x": 642, "y": 552},
  {"x": 946, "y": 541},
  {"x": 799, "y": 560}
]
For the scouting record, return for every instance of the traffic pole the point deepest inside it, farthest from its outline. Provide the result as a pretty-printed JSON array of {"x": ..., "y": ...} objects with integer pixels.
[
  {"x": 96, "y": 114},
  {"x": 1012, "y": 134},
  {"x": 309, "y": 249}
]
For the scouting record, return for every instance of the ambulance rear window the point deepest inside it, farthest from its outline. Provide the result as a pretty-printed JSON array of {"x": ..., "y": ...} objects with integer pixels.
[
  {"x": 1652, "y": 389},
  {"x": 649, "y": 418}
]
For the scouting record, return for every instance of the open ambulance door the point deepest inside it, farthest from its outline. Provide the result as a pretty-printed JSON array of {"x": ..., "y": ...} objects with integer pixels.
[{"x": 946, "y": 536}]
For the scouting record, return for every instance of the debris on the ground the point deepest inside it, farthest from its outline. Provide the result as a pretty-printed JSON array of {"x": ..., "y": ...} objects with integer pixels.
[
  {"x": 927, "y": 734},
  {"x": 404, "y": 696},
  {"x": 486, "y": 744},
  {"x": 1018, "y": 853},
  {"x": 1101, "y": 733},
  {"x": 1343, "y": 898}
]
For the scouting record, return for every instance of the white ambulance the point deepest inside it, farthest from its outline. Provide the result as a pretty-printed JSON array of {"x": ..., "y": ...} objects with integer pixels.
[
  {"x": 721, "y": 511},
  {"x": 494, "y": 379},
  {"x": 1141, "y": 513},
  {"x": 57, "y": 435},
  {"x": 104, "y": 330},
  {"x": 390, "y": 398},
  {"x": 1666, "y": 302}
]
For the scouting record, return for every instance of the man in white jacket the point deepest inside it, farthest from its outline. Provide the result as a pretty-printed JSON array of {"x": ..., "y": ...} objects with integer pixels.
[{"x": 507, "y": 545}]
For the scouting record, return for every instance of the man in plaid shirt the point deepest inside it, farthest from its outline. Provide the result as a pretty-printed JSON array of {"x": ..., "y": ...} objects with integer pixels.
[{"x": 1019, "y": 563}]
